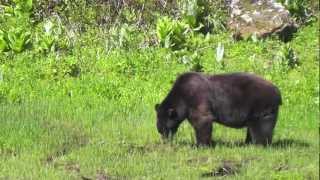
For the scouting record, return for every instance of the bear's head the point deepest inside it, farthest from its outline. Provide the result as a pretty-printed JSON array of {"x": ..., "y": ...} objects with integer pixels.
[{"x": 168, "y": 121}]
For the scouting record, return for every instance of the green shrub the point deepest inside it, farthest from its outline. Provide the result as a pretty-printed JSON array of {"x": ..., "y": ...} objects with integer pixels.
[
  {"x": 288, "y": 57},
  {"x": 3, "y": 42},
  {"x": 172, "y": 33},
  {"x": 15, "y": 32},
  {"x": 302, "y": 10},
  {"x": 204, "y": 15}
]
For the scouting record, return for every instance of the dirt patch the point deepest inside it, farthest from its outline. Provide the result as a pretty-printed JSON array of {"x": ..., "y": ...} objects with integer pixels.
[
  {"x": 63, "y": 150},
  {"x": 69, "y": 166},
  {"x": 75, "y": 169},
  {"x": 147, "y": 148},
  {"x": 137, "y": 149},
  {"x": 51, "y": 157},
  {"x": 7, "y": 153},
  {"x": 64, "y": 138},
  {"x": 286, "y": 143},
  {"x": 198, "y": 160},
  {"x": 101, "y": 175},
  {"x": 72, "y": 167},
  {"x": 281, "y": 167},
  {"x": 227, "y": 168},
  {"x": 86, "y": 178}
]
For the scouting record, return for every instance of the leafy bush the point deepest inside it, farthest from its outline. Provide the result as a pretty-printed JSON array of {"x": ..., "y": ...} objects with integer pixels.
[
  {"x": 287, "y": 57},
  {"x": 172, "y": 33},
  {"x": 3, "y": 42},
  {"x": 195, "y": 17},
  {"x": 50, "y": 36},
  {"x": 300, "y": 9},
  {"x": 204, "y": 15},
  {"x": 16, "y": 28},
  {"x": 192, "y": 12},
  {"x": 19, "y": 31}
]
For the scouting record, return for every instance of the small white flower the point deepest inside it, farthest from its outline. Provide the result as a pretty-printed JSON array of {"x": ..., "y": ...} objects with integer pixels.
[
  {"x": 47, "y": 27},
  {"x": 219, "y": 52}
]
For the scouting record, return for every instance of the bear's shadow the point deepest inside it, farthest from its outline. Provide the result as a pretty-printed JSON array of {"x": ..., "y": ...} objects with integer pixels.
[{"x": 281, "y": 143}]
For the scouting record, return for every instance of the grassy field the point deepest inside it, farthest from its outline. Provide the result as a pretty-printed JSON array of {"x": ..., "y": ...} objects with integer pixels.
[
  {"x": 56, "y": 124},
  {"x": 58, "y": 140}
]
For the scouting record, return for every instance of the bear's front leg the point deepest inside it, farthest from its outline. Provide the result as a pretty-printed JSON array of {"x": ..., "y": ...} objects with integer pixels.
[
  {"x": 203, "y": 134},
  {"x": 248, "y": 138}
]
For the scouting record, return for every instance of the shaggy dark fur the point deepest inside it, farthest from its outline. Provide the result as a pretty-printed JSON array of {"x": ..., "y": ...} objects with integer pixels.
[{"x": 235, "y": 100}]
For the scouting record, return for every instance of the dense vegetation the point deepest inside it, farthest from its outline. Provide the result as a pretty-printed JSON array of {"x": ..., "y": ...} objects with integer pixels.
[{"x": 79, "y": 80}]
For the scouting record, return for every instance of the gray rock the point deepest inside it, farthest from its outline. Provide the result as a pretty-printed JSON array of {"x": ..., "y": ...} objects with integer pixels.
[{"x": 260, "y": 18}]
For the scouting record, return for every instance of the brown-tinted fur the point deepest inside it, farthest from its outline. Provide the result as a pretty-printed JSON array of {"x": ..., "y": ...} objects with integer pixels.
[{"x": 235, "y": 100}]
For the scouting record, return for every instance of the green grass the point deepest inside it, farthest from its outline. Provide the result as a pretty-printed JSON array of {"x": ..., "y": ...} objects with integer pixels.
[
  {"x": 59, "y": 140},
  {"x": 102, "y": 123}
]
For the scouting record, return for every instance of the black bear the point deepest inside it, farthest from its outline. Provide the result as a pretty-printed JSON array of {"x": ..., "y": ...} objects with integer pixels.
[{"x": 235, "y": 100}]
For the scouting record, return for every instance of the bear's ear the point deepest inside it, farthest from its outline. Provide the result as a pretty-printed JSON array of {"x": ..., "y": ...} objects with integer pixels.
[
  {"x": 172, "y": 113},
  {"x": 156, "y": 107}
]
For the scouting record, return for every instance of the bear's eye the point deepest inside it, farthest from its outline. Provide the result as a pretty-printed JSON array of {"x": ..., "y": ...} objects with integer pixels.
[{"x": 172, "y": 113}]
